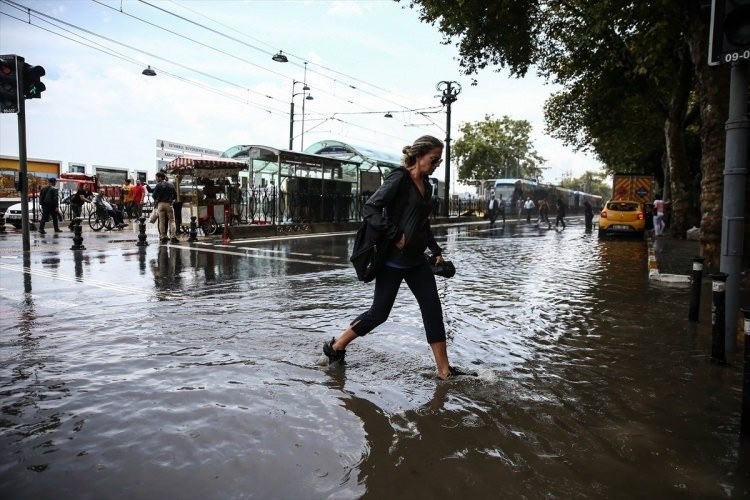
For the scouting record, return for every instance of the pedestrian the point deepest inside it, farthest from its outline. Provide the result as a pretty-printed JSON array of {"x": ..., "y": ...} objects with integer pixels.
[
  {"x": 519, "y": 207},
  {"x": 492, "y": 209},
  {"x": 528, "y": 206},
  {"x": 588, "y": 215},
  {"x": 501, "y": 208},
  {"x": 127, "y": 198},
  {"x": 164, "y": 195},
  {"x": 543, "y": 214},
  {"x": 659, "y": 223},
  {"x": 49, "y": 200},
  {"x": 79, "y": 198},
  {"x": 405, "y": 196},
  {"x": 139, "y": 195},
  {"x": 560, "y": 214}
]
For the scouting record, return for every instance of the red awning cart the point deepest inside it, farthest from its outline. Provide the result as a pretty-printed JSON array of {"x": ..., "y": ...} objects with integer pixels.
[{"x": 207, "y": 189}]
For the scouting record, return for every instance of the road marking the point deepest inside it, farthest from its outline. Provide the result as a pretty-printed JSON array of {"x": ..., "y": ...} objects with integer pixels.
[
  {"x": 55, "y": 275},
  {"x": 262, "y": 256}
]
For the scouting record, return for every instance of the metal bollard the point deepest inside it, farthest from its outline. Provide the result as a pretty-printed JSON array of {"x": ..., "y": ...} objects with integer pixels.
[
  {"x": 77, "y": 235},
  {"x": 142, "y": 232},
  {"x": 745, "y": 419},
  {"x": 2, "y": 223},
  {"x": 225, "y": 236},
  {"x": 696, "y": 279},
  {"x": 193, "y": 229},
  {"x": 718, "y": 319}
]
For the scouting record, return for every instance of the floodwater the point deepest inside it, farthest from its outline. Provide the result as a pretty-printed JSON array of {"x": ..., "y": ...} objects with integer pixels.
[{"x": 170, "y": 373}]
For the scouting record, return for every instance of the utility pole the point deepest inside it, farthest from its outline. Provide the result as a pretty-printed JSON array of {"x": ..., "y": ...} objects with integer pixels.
[
  {"x": 735, "y": 176},
  {"x": 450, "y": 92}
]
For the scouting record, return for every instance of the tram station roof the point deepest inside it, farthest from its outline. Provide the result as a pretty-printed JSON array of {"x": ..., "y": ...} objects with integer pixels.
[
  {"x": 368, "y": 157},
  {"x": 266, "y": 158}
]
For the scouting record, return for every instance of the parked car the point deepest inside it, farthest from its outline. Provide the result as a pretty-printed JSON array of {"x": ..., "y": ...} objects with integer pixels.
[
  {"x": 622, "y": 217},
  {"x": 14, "y": 213}
]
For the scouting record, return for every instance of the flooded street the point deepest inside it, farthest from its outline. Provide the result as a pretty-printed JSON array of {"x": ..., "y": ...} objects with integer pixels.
[{"x": 168, "y": 372}]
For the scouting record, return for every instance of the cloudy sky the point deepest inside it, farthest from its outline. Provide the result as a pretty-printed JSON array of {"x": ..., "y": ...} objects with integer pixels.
[{"x": 217, "y": 86}]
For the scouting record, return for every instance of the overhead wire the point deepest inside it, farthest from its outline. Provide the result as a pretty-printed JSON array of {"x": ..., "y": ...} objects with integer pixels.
[{"x": 42, "y": 17}]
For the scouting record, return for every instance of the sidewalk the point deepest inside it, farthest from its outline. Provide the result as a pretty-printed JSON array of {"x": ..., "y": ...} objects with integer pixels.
[{"x": 671, "y": 259}]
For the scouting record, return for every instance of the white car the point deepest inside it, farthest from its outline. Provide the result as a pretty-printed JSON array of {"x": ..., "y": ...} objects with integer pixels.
[{"x": 13, "y": 214}]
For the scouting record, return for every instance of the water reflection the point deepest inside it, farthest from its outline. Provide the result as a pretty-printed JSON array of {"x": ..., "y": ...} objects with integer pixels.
[{"x": 591, "y": 383}]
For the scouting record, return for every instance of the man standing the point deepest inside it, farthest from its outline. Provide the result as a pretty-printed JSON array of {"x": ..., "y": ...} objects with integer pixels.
[
  {"x": 492, "y": 209},
  {"x": 139, "y": 194},
  {"x": 528, "y": 206},
  {"x": 49, "y": 199},
  {"x": 164, "y": 194},
  {"x": 127, "y": 198}
]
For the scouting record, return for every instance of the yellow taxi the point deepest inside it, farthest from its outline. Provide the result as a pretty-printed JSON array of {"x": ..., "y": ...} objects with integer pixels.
[{"x": 622, "y": 217}]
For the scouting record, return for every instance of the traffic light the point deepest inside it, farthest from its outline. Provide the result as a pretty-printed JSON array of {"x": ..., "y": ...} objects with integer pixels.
[
  {"x": 32, "y": 81},
  {"x": 8, "y": 84},
  {"x": 730, "y": 31}
]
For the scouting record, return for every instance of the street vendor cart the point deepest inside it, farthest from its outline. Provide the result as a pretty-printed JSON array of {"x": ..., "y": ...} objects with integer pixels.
[{"x": 207, "y": 189}]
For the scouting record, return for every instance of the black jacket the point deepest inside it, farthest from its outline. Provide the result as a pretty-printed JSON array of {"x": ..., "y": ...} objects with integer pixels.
[{"x": 398, "y": 208}]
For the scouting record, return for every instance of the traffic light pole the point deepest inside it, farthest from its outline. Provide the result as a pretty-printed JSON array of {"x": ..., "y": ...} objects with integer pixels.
[
  {"x": 23, "y": 182},
  {"x": 733, "y": 209}
]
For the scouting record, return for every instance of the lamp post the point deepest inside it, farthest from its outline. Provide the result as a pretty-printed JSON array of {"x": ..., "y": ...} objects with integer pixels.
[
  {"x": 450, "y": 92},
  {"x": 308, "y": 97}
]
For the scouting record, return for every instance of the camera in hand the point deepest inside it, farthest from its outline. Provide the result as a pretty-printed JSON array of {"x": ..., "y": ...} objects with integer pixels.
[{"x": 446, "y": 269}]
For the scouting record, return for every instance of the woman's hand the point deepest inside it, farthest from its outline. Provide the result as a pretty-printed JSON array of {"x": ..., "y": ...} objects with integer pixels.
[
  {"x": 401, "y": 242},
  {"x": 439, "y": 260}
]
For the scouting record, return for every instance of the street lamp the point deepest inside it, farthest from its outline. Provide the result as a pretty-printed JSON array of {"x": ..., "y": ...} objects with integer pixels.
[
  {"x": 308, "y": 97},
  {"x": 450, "y": 92}
]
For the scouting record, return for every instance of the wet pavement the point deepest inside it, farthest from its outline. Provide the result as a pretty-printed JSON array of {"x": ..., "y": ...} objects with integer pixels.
[{"x": 192, "y": 371}]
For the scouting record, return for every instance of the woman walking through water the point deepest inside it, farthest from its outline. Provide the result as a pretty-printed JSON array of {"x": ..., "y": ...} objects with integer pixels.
[{"x": 406, "y": 198}]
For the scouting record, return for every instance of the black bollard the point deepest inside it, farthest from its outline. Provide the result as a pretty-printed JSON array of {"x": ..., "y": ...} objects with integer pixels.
[
  {"x": 77, "y": 235},
  {"x": 142, "y": 232},
  {"x": 193, "y": 229},
  {"x": 718, "y": 320},
  {"x": 696, "y": 279},
  {"x": 2, "y": 223},
  {"x": 745, "y": 419}
]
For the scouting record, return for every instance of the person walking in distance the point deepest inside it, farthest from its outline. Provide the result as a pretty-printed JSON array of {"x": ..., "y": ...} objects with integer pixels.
[
  {"x": 528, "y": 206},
  {"x": 164, "y": 194},
  {"x": 492, "y": 209},
  {"x": 659, "y": 223},
  {"x": 588, "y": 215},
  {"x": 543, "y": 214},
  {"x": 139, "y": 195},
  {"x": 405, "y": 196},
  {"x": 519, "y": 207},
  {"x": 49, "y": 199},
  {"x": 560, "y": 214}
]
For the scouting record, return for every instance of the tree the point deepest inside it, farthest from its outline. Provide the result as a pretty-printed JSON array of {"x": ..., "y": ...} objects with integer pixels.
[
  {"x": 590, "y": 182},
  {"x": 620, "y": 62},
  {"x": 493, "y": 149}
]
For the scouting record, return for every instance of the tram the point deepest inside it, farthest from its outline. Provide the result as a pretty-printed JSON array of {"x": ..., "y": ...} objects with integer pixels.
[{"x": 515, "y": 189}]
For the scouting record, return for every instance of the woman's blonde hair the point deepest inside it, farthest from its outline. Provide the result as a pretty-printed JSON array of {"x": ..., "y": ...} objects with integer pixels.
[{"x": 420, "y": 147}]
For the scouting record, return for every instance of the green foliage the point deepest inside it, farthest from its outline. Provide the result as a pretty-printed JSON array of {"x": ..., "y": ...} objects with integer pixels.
[
  {"x": 617, "y": 61},
  {"x": 590, "y": 182},
  {"x": 495, "y": 148}
]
